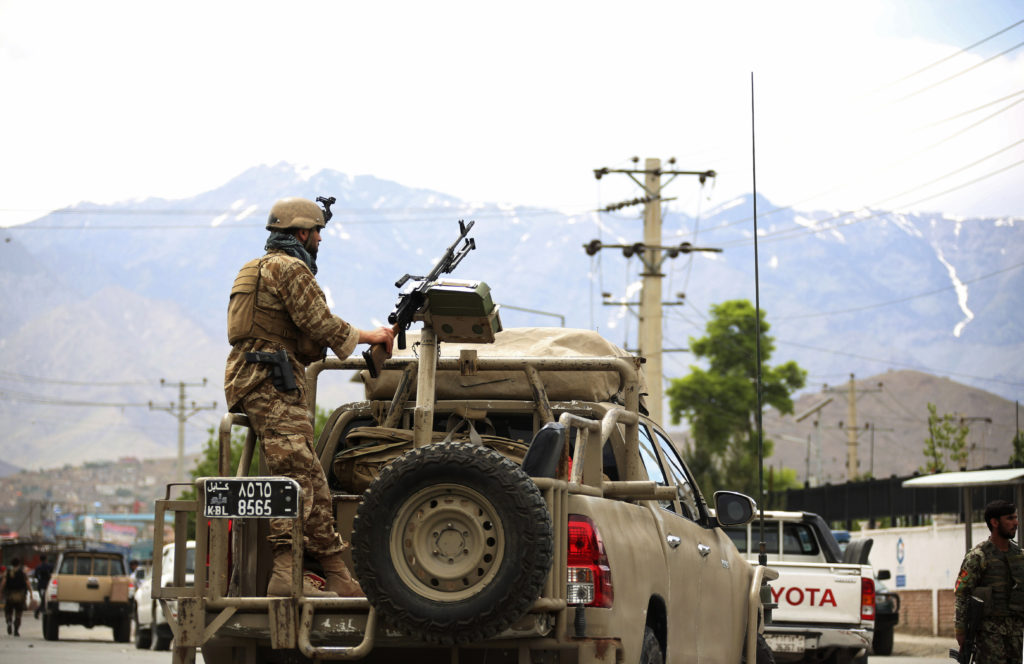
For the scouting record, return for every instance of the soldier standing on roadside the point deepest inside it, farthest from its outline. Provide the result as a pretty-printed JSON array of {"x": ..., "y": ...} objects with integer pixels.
[
  {"x": 276, "y": 304},
  {"x": 995, "y": 566}
]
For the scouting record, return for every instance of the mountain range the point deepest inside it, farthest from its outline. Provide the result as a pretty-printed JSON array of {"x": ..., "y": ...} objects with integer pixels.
[{"x": 104, "y": 301}]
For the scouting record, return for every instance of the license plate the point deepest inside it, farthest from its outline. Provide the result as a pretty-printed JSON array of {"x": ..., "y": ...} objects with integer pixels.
[
  {"x": 70, "y": 607},
  {"x": 785, "y": 642},
  {"x": 251, "y": 497}
]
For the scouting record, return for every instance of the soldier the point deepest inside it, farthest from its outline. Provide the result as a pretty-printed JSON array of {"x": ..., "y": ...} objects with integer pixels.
[
  {"x": 276, "y": 304},
  {"x": 995, "y": 566}
]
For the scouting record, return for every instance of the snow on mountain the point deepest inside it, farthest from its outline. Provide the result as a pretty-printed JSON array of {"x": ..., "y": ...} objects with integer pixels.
[{"x": 117, "y": 297}]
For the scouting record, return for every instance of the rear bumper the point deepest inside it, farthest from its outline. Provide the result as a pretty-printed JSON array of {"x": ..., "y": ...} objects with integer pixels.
[
  {"x": 88, "y": 613},
  {"x": 821, "y": 638}
]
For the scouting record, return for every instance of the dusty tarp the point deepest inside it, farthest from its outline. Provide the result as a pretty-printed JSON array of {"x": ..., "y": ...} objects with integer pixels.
[{"x": 518, "y": 342}]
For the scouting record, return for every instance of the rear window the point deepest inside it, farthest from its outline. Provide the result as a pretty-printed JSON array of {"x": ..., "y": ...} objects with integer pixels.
[
  {"x": 797, "y": 539},
  {"x": 87, "y": 565}
]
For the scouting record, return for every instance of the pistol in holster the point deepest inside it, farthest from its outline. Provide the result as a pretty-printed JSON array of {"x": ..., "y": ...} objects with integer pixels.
[{"x": 280, "y": 366}]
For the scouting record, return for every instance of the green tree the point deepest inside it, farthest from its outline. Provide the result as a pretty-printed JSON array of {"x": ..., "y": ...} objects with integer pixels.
[
  {"x": 720, "y": 402},
  {"x": 1018, "y": 448},
  {"x": 208, "y": 463},
  {"x": 945, "y": 448}
]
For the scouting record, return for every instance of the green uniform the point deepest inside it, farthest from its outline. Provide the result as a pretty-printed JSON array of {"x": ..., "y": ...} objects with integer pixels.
[{"x": 1000, "y": 636}]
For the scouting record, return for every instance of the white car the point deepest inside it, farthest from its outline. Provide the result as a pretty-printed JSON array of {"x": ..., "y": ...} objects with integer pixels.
[{"x": 151, "y": 628}]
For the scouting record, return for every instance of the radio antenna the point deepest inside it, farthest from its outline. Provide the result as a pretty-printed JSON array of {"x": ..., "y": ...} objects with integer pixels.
[{"x": 762, "y": 556}]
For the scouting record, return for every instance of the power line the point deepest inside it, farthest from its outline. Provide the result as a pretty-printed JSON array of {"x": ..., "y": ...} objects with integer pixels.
[
  {"x": 896, "y": 163},
  {"x": 41, "y": 399},
  {"x": 960, "y": 73},
  {"x": 10, "y": 375},
  {"x": 968, "y": 112},
  {"x": 910, "y": 416},
  {"x": 965, "y": 49},
  {"x": 902, "y": 364},
  {"x": 817, "y": 195},
  {"x": 800, "y": 230},
  {"x": 903, "y": 299},
  {"x": 438, "y": 216}
]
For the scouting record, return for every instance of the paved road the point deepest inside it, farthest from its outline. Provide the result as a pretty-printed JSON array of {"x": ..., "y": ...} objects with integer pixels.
[{"x": 79, "y": 645}]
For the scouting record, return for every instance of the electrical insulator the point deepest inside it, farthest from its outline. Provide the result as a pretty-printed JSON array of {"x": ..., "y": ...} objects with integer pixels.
[
  {"x": 637, "y": 248},
  {"x": 592, "y": 247}
]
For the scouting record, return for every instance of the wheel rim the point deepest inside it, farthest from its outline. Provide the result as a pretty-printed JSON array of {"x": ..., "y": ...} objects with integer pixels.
[{"x": 447, "y": 542}]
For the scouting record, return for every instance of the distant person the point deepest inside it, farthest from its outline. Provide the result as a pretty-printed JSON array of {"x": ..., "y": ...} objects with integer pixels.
[
  {"x": 276, "y": 304},
  {"x": 42, "y": 574},
  {"x": 994, "y": 571},
  {"x": 15, "y": 591}
]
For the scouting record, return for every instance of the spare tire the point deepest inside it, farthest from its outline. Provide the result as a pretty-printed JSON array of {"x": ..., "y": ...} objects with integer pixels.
[{"x": 452, "y": 543}]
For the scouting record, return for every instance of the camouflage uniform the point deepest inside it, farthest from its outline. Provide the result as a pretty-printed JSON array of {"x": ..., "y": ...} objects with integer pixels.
[
  {"x": 1000, "y": 635},
  {"x": 282, "y": 420}
]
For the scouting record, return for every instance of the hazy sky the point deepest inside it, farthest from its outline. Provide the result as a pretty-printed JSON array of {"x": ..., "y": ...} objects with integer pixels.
[{"x": 517, "y": 102}]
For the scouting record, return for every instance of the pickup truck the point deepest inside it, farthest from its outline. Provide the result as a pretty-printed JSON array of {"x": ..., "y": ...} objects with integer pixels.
[
  {"x": 825, "y": 599},
  {"x": 152, "y": 628},
  {"x": 89, "y": 588},
  {"x": 887, "y": 604},
  {"x": 507, "y": 501}
]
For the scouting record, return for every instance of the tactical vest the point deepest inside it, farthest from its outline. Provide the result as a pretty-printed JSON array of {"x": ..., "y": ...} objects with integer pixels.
[
  {"x": 1006, "y": 578},
  {"x": 248, "y": 320}
]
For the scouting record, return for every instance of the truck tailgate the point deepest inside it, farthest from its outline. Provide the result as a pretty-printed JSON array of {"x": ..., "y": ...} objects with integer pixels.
[
  {"x": 83, "y": 588},
  {"x": 817, "y": 593}
]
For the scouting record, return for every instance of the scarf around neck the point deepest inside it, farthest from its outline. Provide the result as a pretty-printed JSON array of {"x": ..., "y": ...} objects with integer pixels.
[{"x": 290, "y": 245}]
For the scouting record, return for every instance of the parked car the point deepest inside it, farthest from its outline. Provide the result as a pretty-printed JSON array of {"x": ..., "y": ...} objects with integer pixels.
[
  {"x": 151, "y": 626},
  {"x": 137, "y": 576},
  {"x": 887, "y": 615},
  {"x": 89, "y": 588}
]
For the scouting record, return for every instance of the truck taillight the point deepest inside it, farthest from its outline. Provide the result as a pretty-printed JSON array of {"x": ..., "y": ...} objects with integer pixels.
[
  {"x": 867, "y": 599},
  {"x": 51, "y": 591},
  {"x": 590, "y": 578}
]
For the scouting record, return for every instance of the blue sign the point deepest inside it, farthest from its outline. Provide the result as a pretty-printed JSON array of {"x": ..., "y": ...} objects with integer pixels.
[
  {"x": 901, "y": 580},
  {"x": 900, "y": 551}
]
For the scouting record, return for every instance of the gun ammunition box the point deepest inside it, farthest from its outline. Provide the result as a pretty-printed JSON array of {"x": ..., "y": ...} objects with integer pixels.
[{"x": 462, "y": 311}]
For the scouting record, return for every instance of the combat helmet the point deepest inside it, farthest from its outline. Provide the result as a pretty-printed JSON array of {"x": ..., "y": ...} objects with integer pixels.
[{"x": 295, "y": 213}]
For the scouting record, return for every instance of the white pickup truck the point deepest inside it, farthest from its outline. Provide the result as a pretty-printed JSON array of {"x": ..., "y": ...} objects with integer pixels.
[{"x": 825, "y": 599}]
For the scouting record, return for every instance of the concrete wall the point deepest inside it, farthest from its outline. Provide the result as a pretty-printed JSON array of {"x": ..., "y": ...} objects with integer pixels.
[{"x": 924, "y": 563}]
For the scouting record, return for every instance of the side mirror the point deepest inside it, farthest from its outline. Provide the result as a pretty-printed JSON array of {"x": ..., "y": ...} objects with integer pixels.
[
  {"x": 734, "y": 509},
  {"x": 883, "y": 575}
]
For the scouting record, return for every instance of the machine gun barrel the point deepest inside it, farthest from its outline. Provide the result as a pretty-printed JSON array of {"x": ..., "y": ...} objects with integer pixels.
[{"x": 411, "y": 301}]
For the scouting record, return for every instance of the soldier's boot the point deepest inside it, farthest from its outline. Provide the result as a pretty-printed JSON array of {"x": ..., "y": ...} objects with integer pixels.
[
  {"x": 339, "y": 579},
  {"x": 280, "y": 584}
]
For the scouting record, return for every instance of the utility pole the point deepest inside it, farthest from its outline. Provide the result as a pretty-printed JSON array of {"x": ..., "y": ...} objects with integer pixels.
[
  {"x": 817, "y": 441},
  {"x": 964, "y": 419},
  {"x": 870, "y": 426},
  {"x": 851, "y": 424},
  {"x": 182, "y": 416},
  {"x": 652, "y": 254}
]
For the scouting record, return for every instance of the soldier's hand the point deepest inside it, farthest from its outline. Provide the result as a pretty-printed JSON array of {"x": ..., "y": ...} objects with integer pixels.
[{"x": 382, "y": 335}]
